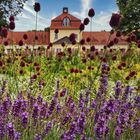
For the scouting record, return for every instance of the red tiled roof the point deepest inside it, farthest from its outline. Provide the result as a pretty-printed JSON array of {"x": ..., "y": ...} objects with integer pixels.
[
  {"x": 43, "y": 37},
  {"x": 63, "y": 15},
  {"x": 101, "y": 38},
  {"x": 56, "y": 23}
]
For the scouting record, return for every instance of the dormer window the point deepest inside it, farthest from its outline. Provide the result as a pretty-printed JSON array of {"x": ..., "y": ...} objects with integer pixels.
[{"x": 66, "y": 22}]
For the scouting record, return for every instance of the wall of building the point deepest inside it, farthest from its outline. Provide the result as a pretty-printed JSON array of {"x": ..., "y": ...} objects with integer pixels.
[
  {"x": 55, "y": 49},
  {"x": 63, "y": 33}
]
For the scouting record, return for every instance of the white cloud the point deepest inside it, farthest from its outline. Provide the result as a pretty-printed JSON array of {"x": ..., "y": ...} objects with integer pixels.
[
  {"x": 53, "y": 16},
  {"x": 100, "y": 21},
  {"x": 85, "y": 6},
  {"x": 26, "y": 20}
]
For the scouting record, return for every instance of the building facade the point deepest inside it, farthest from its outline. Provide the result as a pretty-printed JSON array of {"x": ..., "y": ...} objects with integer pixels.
[{"x": 66, "y": 24}]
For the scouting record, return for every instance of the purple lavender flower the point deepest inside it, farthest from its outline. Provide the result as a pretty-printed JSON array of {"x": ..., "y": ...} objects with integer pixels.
[
  {"x": 71, "y": 105},
  {"x": 128, "y": 91},
  {"x": 53, "y": 104},
  {"x": 6, "y": 105},
  {"x": 72, "y": 127},
  {"x": 87, "y": 96},
  {"x": 25, "y": 117},
  {"x": 39, "y": 99},
  {"x": 136, "y": 124},
  {"x": 66, "y": 118},
  {"x": 103, "y": 83},
  {"x": 81, "y": 123},
  {"x": 43, "y": 110},
  {"x": 16, "y": 109},
  {"x": 58, "y": 108},
  {"x": 36, "y": 111},
  {"x": 17, "y": 136},
  {"x": 118, "y": 89},
  {"x": 118, "y": 131},
  {"x": 2, "y": 129},
  {"x": 83, "y": 137},
  {"x": 101, "y": 127},
  {"x": 81, "y": 102},
  {"x": 93, "y": 104},
  {"x": 68, "y": 136},
  {"x": 137, "y": 101},
  {"x": 38, "y": 137},
  {"x": 48, "y": 128},
  {"x": 10, "y": 130},
  {"x": 32, "y": 101},
  {"x": 109, "y": 108}
]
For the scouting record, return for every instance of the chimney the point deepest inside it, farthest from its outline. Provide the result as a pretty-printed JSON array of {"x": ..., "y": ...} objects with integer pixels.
[{"x": 65, "y": 10}]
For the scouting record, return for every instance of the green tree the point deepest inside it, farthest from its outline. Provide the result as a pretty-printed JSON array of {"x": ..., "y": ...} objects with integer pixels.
[
  {"x": 9, "y": 7},
  {"x": 47, "y": 29},
  {"x": 130, "y": 12}
]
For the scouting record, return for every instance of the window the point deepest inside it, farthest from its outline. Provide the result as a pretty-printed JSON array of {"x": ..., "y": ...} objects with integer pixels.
[
  {"x": 66, "y": 22},
  {"x": 58, "y": 50},
  {"x": 56, "y": 36}
]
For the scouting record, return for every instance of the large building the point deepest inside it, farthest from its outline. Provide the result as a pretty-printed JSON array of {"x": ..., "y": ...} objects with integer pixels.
[{"x": 66, "y": 25}]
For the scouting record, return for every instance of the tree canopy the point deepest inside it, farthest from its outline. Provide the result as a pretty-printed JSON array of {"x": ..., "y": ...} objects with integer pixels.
[
  {"x": 9, "y": 7},
  {"x": 130, "y": 12}
]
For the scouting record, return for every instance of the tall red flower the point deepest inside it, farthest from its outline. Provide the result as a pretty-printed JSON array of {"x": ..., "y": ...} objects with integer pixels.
[
  {"x": 82, "y": 27},
  {"x": 56, "y": 31},
  {"x": 37, "y": 7},
  {"x": 11, "y": 18},
  {"x": 25, "y": 37},
  {"x": 82, "y": 41},
  {"x": 5, "y": 43},
  {"x": 91, "y": 12},
  {"x": 88, "y": 39},
  {"x": 92, "y": 48},
  {"x": 20, "y": 43},
  {"x": 63, "y": 44},
  {"x": 118, "y": 34},
  {"x": 12, "y": 25},
  {"x": 115, "y": 20},
  {"x": 36, "y": 37},
  {"x": 86, "y": 21},
  {"x": 72, "y": 37},
  {"x": 4, "y": 32}
]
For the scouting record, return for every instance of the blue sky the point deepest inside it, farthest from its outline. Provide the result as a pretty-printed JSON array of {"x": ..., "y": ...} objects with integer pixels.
[{"x": 79, "y": 8}]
